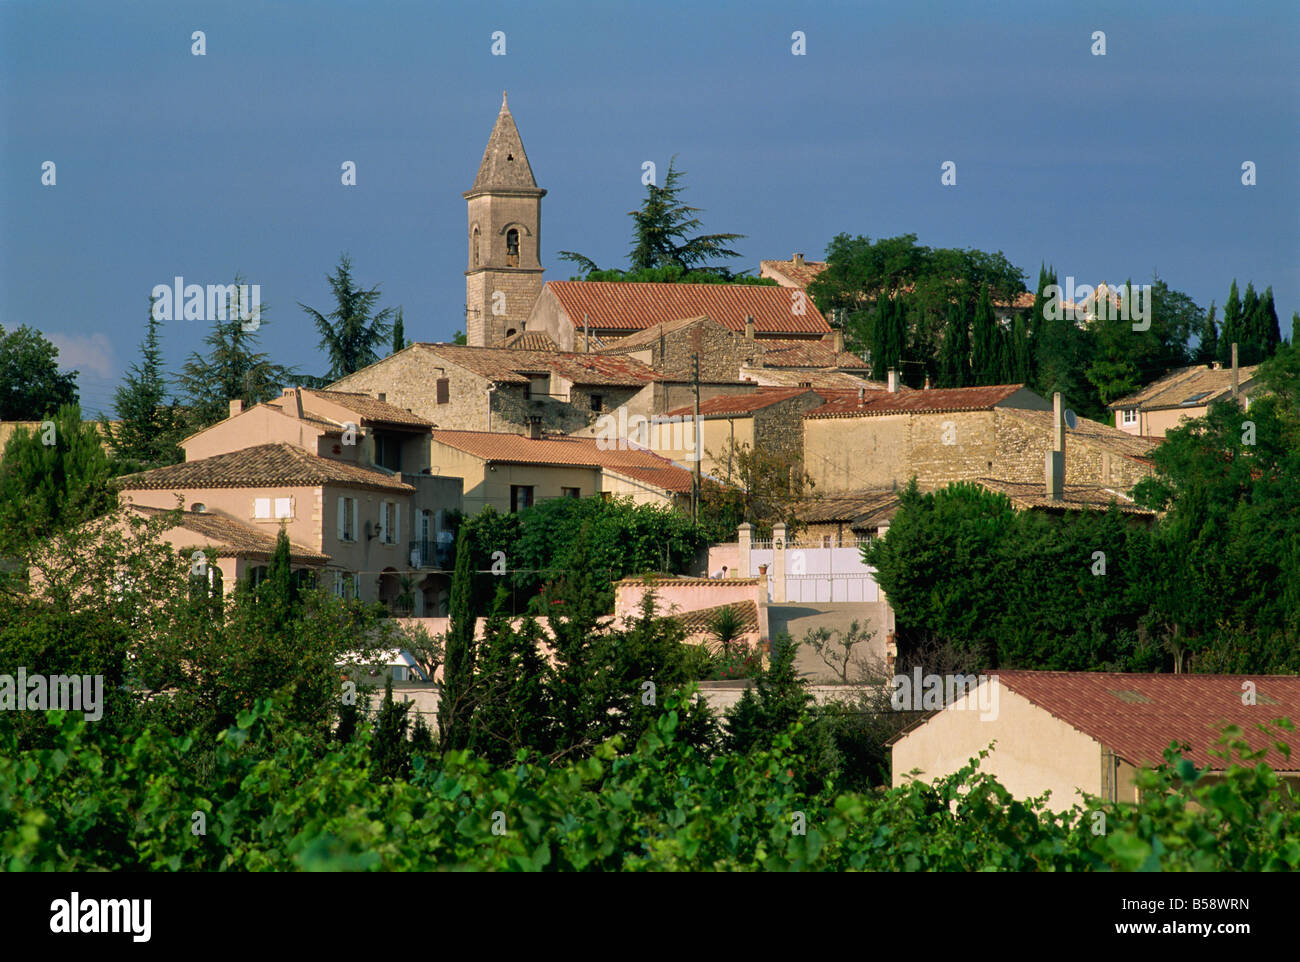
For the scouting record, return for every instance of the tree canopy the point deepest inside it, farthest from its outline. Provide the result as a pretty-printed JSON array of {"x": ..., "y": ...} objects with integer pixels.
[{"x": 31, "y": 384}]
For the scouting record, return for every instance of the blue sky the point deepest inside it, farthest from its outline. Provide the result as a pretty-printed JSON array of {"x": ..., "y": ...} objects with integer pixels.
[{"x": 171, "y": 164}]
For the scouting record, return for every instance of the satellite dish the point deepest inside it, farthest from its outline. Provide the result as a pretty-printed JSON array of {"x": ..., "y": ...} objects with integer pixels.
[{"x": 1071, "y": 421}]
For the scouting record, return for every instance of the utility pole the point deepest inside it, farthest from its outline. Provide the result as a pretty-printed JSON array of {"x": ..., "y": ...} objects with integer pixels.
[{"x": 695, "y": 478}]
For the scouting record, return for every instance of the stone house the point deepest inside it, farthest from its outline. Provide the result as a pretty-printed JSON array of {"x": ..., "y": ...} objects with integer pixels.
[
  {"x": 768, "y": 419},
  {"x": 511, "y": 472},
  {"x": 1071, "y": 732},
  {"x": 883, "y": 439},
  {"x": 1181, "y": 395}
]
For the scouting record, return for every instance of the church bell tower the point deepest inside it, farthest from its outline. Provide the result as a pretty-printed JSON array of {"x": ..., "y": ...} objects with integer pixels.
[{"x": 504, "y": 277}]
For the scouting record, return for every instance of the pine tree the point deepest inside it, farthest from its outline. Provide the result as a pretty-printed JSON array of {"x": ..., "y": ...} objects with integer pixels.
[
  {"x": 352, "y": 333},
  {"x": 455, "y": 701},
  {"x": 390, "y": 752},
  {"x": 399, "y": 333},
  {"x": 149, "y": 427},
  {"x": 1230, "y": 332},
  {"x": 232, "y": 370}
]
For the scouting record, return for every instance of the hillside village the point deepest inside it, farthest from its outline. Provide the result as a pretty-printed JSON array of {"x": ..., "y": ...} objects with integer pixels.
[{"x": 651, "y": 395}]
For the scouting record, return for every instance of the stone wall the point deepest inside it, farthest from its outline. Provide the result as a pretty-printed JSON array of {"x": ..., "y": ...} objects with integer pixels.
[
  {"x": 953, "y": 446},
  {"x": 778, "y": 428},
  {"x": 1022, "y": 448}
]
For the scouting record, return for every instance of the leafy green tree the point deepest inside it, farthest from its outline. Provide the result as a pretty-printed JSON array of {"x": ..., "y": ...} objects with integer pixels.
[
  {"x": 31, "y": 384},
  {"x": 150, "y": 428},
  {"x": 352, "y": 333},
  {"x": 664, "y": 233},
  {"x": 44, "y": 487},
  {"x": 232, "y": 369},
  {"x": 759, "y": 485},
  {"x": 458, "y": 338}
]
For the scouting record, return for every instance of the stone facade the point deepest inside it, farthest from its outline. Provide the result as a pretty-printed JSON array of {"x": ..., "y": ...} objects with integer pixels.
[{"x": 1022, "y": 446}]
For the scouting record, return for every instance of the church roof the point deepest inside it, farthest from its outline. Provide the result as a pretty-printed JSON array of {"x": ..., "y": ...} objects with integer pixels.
[
  {"x": 631, "y": 307},
  {"x": 505, "y": 165}
]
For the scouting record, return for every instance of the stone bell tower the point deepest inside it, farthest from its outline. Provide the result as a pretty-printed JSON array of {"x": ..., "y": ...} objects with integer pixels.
[{"x": 504, "y": 277}]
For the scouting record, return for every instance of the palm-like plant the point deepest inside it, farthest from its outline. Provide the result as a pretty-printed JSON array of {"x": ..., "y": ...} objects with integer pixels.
[{"x": 726, "y": 627}]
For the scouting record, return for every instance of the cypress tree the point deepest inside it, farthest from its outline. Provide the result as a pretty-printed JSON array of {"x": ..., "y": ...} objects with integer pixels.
[
  {"x": 1208, "y": 349},
  {"x": 1019, "y": 351},
  {"x": 399, "y": 333},
  {"x": 455, "y": 708},
  {"x": 1231, "y": 330},
  {"x": 1252, "y": 337},
  {"x": 1270, "y": 329},
  {"x": 984, "y": 343},
  {"x": 880, "y": 338},
  {"x": 956, "y": 348}
]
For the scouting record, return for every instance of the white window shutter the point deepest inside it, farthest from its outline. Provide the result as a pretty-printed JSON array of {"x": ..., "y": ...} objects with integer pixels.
[
  {"x": 397, "y": 524},
  {"x": 342, "y": 534}
]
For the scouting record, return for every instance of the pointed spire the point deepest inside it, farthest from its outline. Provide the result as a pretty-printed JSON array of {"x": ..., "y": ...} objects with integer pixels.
[{"x": 505, "y": 165}]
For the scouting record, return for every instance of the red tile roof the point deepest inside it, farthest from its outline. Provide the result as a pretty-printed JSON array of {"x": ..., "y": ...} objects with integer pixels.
[
  {"x": 568, "y": 451},
  {"x": 1088, "y": 430},
  {"x": 264, "y": 465},
  {"x": 743, "y": 404},
  {"x": 243, "y": 540},
  {"x": 798, "y": 273},
  {"x": 371, "y": 410},
  {"x": 530, "y": 341},
  {"x": 614, "y": 306},
  {"x": 1074, "y": 497},
  {"x": 935, "y": 401},
  {"x": 1137, "y": 716},
  {"x": 778, "y": 353}
]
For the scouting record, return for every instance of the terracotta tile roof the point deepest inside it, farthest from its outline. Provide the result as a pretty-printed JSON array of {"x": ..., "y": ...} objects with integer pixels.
[
  {"x": 853, "y": 509},
  {"x": 791, "y": 273},
  {"x": 369, "y": 409},
  {"x": 1200, "y": 385},
  {"x": 1093, "y": 432},
  {"x": 697, "y": 622},
  {"x": 779, "y": 353},
  {"x": 264, "y": 465},
  {"x": 221, "y": 531},
  {"x": 614, "y": 306},
  {"x": 940, "y": 400},
  {"x": 818, "y": 378},
  {"x": 567, "y": 451},
  {"x": 511, "y": 366},
  {"x": 681, "y": 581},
  {"x": 650, "y": 336},
  {"x": 742, "y": 404},
  {"x": 530, "y": 341},
  {"x": 1075, "y": 497},
  {"x": 1137, "y": 716}
]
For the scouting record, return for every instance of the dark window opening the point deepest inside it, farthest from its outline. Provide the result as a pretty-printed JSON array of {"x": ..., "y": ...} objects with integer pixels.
[
  {"x": 597, "y": 402},
  {"x": 570, "y": 492},
  {"x": 388, "y": 451},
  {"x": 512, "y": 248},
  {"x": 521, "y": 496},
  {"x": 474, "y": 253},
  {"x": 443, "y": 390}
]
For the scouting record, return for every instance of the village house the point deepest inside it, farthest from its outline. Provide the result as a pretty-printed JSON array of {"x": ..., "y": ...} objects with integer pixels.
[
  {"x": 1072, "y": 732},
  {"x": 511, "y": 472},
  {"x": 357, "y": 518},
  {"x": 883, "y": 439},
  {"x": 1184, "y": 394}
]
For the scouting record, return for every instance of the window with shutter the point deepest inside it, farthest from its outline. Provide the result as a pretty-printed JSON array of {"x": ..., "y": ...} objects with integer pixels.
[
  {"x": 284, "y": 507},
  {"x": 261, "y": 507},
  {"x": 444, "y": 390}
]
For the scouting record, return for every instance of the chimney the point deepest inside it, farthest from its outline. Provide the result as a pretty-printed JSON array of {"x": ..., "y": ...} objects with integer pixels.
[
  {"x": 798, "y": 260},
  {"x": 839, "y": 342},
  {"x": 893, "y": 380},
  {"x": 749, "y": 327},
  {"x": 586, "y": 334},
  {"x": 383, "y": 398},
  {"x": 927, "y": 383},
  {"x": 1054, "y": 466},
  {"x": 236, "y": 407},
  {"x": 1234, "y": 369},
  {"x": 293, "y": 397},
  {"x": 535, "y": 427},
  {"x": 862, "y": 395}
]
